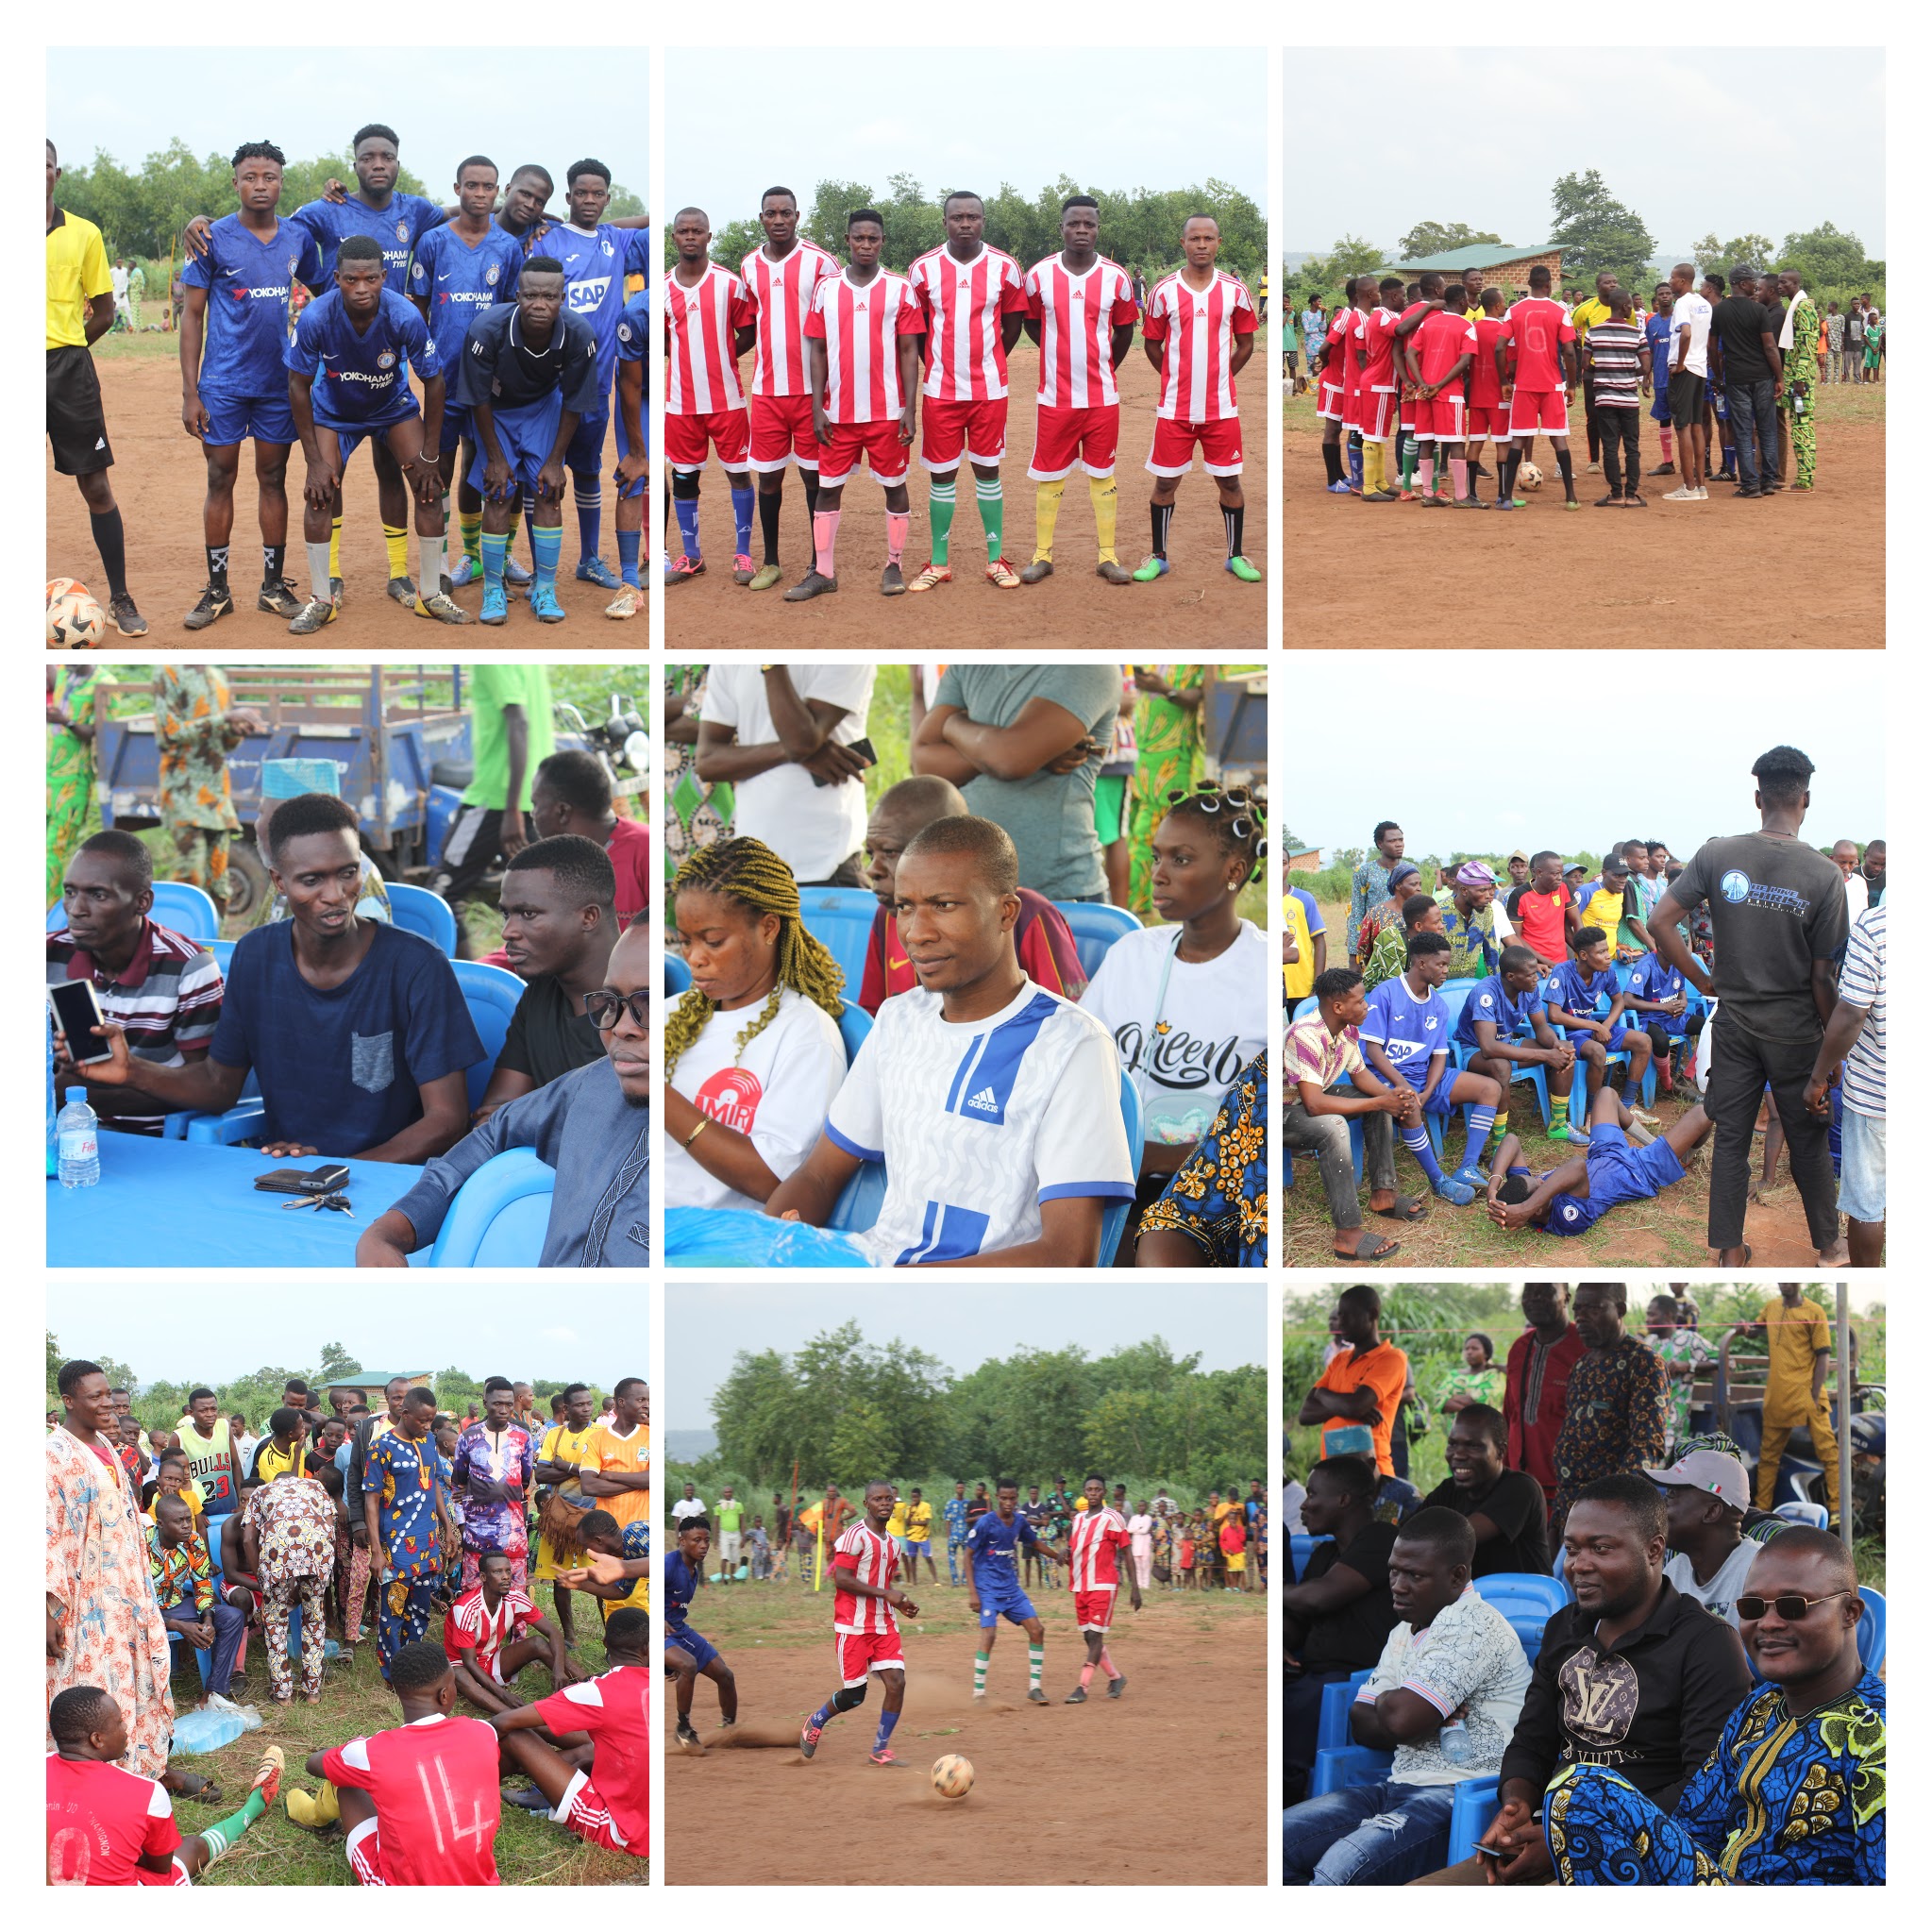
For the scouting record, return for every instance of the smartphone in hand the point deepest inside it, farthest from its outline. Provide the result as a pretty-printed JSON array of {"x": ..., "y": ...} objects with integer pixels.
[{"x": 76, "y": 1011}]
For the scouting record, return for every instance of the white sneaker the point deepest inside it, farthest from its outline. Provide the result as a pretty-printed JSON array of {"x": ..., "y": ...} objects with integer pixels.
[
  {"x": 1702, "y": 495},
  {"x": 1681, "y": 494}
]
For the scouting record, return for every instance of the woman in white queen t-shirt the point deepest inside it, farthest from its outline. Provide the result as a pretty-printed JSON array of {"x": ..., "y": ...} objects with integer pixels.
[
  {"x": 1187, "y": 1001},
  {"x": 752, "y": 1053}
]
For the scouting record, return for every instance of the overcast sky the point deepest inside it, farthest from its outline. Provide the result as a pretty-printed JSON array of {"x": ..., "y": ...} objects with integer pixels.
[
  {"x": 959, "y": 117},
  {"x": 1738, "y": 139},
  {"x": 525, "y": 1330},
  {"x": 1699, "y": 784},
  {"x": 133, "y": 101},
  {"x": 705, "y": 1326}
]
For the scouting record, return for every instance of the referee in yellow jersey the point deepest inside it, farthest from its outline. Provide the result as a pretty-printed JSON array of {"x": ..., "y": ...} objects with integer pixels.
[{"x": 80, "y": 309}]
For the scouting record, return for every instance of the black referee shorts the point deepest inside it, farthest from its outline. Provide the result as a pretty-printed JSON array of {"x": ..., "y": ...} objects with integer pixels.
[
  {"x": 76, "y": 425},
  {"x": 469, "y": 852}
]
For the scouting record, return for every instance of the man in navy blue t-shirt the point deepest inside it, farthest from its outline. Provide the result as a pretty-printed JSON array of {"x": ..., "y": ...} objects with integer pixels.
[{"x": 356, "y": 1031}]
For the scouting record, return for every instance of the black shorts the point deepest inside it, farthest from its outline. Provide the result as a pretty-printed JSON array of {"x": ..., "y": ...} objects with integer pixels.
[
  {"x": 76, "y": 425},
  {"x": 469, "y": 852},
  {"x": 1687, "y": 397}
]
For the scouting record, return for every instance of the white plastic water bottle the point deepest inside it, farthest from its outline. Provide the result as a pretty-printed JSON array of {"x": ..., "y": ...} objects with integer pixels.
[
  {"x": 78, "y": 1132},
  {"x": 1454, "y": 1742}
]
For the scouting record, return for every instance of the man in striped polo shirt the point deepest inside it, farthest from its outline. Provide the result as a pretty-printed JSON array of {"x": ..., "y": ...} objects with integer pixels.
[
  {"x": 1615, "y": 360},
  {"x": 163, "y": 989},
  {"x": 1856, "y": 1035}
]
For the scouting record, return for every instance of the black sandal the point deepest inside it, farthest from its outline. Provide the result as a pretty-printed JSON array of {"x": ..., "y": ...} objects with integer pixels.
[
  {"x": 1405, "y": 1208},
  {"x": 1381, "y": 1249}
]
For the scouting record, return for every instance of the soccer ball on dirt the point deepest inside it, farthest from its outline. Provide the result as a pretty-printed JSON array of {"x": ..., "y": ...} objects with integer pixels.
[
  {"x": 1529, "y": 476},
  {"x": 952, "y": 1776},
  {"x": 74, "y": 621}
]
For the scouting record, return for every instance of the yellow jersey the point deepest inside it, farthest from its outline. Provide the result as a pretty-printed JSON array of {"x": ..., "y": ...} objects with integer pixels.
[{"x": 76, "y": 273}]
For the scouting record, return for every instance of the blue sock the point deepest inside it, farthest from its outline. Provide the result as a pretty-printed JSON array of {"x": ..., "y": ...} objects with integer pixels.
[
  {"x": 547, "y": 545},
  {"x": 823, "y": 1716},
  {"x": 741, "y": 516},
  {"x": 686, "y": 507},
  {"x": 496, "y": 549},
  {"x": 1417, "y": 1140},
  {"x": 627, "y": 542},
  {"x": 590, "y": 517},
  {"x": 886, "y": 1720},
  {"x": 1355, "y": 463},
  {"x": 1482, "y": 1120}
]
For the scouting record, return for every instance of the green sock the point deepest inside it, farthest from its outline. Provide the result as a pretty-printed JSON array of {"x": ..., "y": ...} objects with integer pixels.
[
  {"x": 222, "y": 1838},
  {"x": 1560, "y": 1114},
  {"x": 992, "y": 498},
  {"x": 1035, "y": 1660},
  {"x": 939, "y": 509},
  {"x": 980, "y": 1662}
]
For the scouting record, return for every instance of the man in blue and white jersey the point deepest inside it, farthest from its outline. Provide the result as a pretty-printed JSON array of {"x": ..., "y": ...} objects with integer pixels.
[{"x": 993, "y": 1585}]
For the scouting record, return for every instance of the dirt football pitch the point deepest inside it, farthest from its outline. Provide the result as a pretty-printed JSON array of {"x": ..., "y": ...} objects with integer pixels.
[
  {"x": 1196, "y": 605},
  {"x": 1794, "y": 572},
  {"x": 1083, "y": 1794},
  {"x": 160, "y": 481}
]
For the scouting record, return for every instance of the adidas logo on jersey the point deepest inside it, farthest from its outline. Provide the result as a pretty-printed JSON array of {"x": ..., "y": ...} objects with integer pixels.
[{"x": 984, "y": 1101}]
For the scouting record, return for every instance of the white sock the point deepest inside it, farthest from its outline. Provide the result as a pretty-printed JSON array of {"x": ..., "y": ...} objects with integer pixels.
[
  {"x": 432, "y": 547},
  {"x": 318, "y": 570}
]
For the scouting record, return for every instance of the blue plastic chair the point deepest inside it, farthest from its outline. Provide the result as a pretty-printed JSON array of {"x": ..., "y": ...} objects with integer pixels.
[
  {"x": 1527, "y": 1600},
  {"x": 491, "y": 993},
  {"x": 416, "y": 909},
  {"x": 1331, "y": 1729},
  {"x": 1095, "y": 928},
  {"x": 840, "y": 918},
  {"x": 202, "y": 1658},
  {"x": 853, "y": 1025},
  {"x": 677, "y": 976},
  {"x": 182, "y": 908},
  {"x": 1871, "y": 1628},
  {"x": 1348, "y": 1764},
  {"x": 1300, "y": 1549},
  {"x": 1471, "y": 1813},
  {"x": 1472, "y": 1810},
  {"x": 500, "y": 1216}
]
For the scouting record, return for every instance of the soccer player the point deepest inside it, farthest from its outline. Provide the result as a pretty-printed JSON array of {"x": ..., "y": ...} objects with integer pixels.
[
  {"x": 1656, "y": 339},
  {"x": 1378, "y": 382},
  {"x": 1575, "y": 1196},
  {"x": 238, "y": 389},
  {"x": 861, "y": 343},
  {"x": 1493, "y": 1020},
  {"x": 1094, "y": 1543},
  {"x": 1569, "y": 998},
  {"x": 1488, "y": 418},
  {"x": 1331, "y": 386},
  {"x": 528, "y": 373},
  {"x": 974, "y": 303},
  {"x": 709, "y": 324},
  {"x": 359, "y": 343},
  {"x": 865, "y": 1561},
  {"x": 696, "y": 1656},
  {"x": 1199, "y": 335},
  {"x": 1079, "y": 315},
  {"x": 1438, "y": 343},
  {"x": 462, "y": 268},
  {"x": 483, "y": 1638},
  {"x": 80, "y": 309},
  {"x": 633, "y": 451},
  {"x": 108, "y": 1826},
  {"x": 780, "y": 278},
  {"x": 1544, "y": 341},
  {"x": 993, "y": 1585}
]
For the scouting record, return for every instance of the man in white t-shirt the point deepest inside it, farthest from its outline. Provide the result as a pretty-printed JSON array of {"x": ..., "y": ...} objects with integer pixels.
[
  {"x": 781, "y": 736},
  {"x": 1705, "y": 1496},
  {"x": 1689, "y": 365},
  {"x": 1844, "y": 855},
  {"x": 993, "y": 1103},
  {"x": 690, "y": 1503}
]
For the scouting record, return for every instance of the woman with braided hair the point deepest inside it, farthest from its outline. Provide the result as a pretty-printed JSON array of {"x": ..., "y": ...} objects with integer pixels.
[
  {"x": 1187, "y": 1001},
  {"x": 752, "y": 1053}
]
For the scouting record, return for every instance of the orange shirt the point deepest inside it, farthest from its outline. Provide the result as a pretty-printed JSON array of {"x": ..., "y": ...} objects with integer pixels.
[
  {"x": 606, "y": 1451},
  {"x": 1386, "y": 1370}
]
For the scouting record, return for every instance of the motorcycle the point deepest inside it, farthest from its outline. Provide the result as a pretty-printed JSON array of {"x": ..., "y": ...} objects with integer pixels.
[{"x": 1801, "y": 1474}]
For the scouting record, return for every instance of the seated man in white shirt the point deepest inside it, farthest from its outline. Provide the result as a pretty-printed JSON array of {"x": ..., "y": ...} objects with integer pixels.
[
  {"x": 1705, "y": 1495},
  {"x": 993, "y": 1103}
]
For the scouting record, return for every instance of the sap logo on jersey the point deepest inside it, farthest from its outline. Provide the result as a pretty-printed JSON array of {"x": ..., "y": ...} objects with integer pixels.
[
  {"x": 730, "y": 1098},
  {"x": 1735, "y": 886},
  {"x": 588, "y": 295}
]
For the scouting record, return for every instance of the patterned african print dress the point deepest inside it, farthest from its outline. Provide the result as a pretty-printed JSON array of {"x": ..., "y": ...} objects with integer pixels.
[
  {"x": 1169, "y": 759},
  {"x": 403, "y": 1475},
  {"x": 193, "y": 737},
  {"x": 1218, "y": 1196},
  {"x": 492, "y": 1473},
  {"x": 70, "y": 775},
  {"x": 698, "y": 813}
]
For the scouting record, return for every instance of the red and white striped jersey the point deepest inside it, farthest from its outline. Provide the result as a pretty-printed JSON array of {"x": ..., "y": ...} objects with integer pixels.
[
  {"x": 470, "y": 1625},
  {"x": 1199, "y": 326},
  {"x": 1077, "y": 314},
  {"x": 963, "y": 303},
  {"x": 1092, "y": 1540},
  {"x": 781, "y": 295},
  {"x": 702, "y": 376},
  {"x": 860, "y": 324},
  {"x": 872, "y": 1558}
]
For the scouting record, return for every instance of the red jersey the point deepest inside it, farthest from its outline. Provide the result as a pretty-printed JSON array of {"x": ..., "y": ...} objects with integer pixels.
[
  {"x": 1340, "y": 334},
  {"x": 1441, "y": 340},
  {"x": 1378, "y": 343},
  {"x": 701, "y": 372},
  {"x": 1095, "y": 1538},
  {"x": 438, "y": 1798},
  {"x": 963, "y": 303},
  {"x": 1353, "y": 325},
  {"x": 872, "y": 1558},
  {"x": 1538, "y": 918},
  {"x": 472, "y": 1626},
  {"x": 1485, "y": 390},
  {"x": 615, "y": 1711},
  {"x": 860, "y": 324},
  {"x": 1048, "y": 954},
  {"x": 629, "y": 850},
  {"x": 1077, "y": 314},
  {"x": 102, "y": 1822},
  {"x": 1197, "y": 329},
  {"x": 1408, "y": 342},
  {"x": 1537, "y": 326},
  {"x": 780, "y": 294}
]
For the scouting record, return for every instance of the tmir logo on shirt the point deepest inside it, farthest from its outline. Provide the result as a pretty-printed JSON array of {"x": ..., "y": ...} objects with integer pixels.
[{"x": 730, "y": 1097}]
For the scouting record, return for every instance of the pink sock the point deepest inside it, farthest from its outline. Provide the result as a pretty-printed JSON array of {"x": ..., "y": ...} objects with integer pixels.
[
  {"x": 1107, "y": 1662},
  {"x": 825, "y": 540},
  {"x": 1086, "y": 1675},
  {"x": 1664, "y": 438},
  {"x": 1459, "y": 473},
  {"x": 895, "y": 528},
  {"x": 1425, "y": 473}
]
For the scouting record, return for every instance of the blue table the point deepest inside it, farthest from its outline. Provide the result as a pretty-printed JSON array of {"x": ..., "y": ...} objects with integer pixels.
[{"x": 173, "y": 1204}]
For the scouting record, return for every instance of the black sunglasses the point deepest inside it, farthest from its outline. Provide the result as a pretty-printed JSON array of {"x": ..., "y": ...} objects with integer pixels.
[
  {"x": 1792, "y": 1609},
  {"x": 603, "y": 1006}
]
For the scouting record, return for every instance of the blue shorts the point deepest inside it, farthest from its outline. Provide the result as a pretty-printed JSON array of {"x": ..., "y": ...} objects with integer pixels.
[
  {"x": 524, "y": 435},
  {"x": 1017, "y": 1607},
  {"x": 701, "y": 1648},
  {"x": 349, "y": 441},
  {"x": 1618, "y": 1172},
  {"x": 586, "y": 452},
  {"x": 456, "y": 426},
  {"x": 1861, "y": 1165},
  {"x": 246, "y": 419},
  {"x": 1661, "y": 401},
  {"x": 624, "y": 448},
  {"x": 1437, "y": 1101}
]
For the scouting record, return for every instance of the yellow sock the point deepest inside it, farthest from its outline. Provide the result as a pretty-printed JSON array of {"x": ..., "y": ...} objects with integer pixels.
[
  {"x": 1371, "y": 467},
  {"x": 1045, "y": 515},
  {"x": 396, "y": 542},
  {"x": 335, "y": 548},
  {"x": 1105, "y": 493}
]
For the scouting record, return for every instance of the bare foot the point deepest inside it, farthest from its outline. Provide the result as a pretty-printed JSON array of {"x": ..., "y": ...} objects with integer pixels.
[{"x": 1837, "y": 1255}]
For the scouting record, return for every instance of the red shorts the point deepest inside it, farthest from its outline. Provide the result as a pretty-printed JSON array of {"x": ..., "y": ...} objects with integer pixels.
[
  {"x": 1534, "y": 409},
  {"x": 1378, "y": 415},
  {"x": 878, "y": 441},
  {"x": 177, "y": 1874},
  {"x": 1172, "y": 454},
  {"x": 1352, "y": 409},
  {"x": 689, "y": 439},
  {"x": 1408, "y": 407},
  {"x": 977, "y": 428},
  {"x": 781, "y": 430},
  {"x": 1061, "y": 437},
  {"x": 1442, "y": 419},
  {"x": 589, "y": 1817},
  {"x": 365, "y": 1853},
  {"x": 1094, "y": 1609},
  {"x": 1331, "y": 403},
  {"x": 859, "y": 1655},
  {"x": 1488, "y": 419}
]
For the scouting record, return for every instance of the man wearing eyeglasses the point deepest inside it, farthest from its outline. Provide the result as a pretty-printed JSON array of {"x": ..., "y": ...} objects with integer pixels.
[{"x": 592, "y": 1127}]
